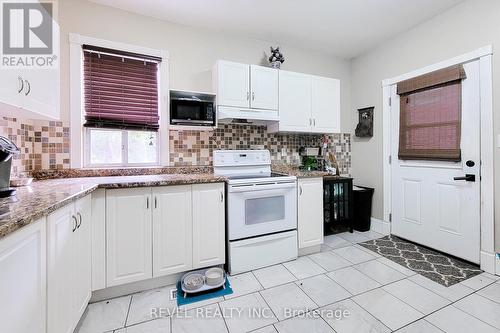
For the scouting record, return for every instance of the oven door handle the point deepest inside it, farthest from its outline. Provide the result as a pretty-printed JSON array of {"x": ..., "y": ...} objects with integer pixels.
[{"x": 261, "y": 187}]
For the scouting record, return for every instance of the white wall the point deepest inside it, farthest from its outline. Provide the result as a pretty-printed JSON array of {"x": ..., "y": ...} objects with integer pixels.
[
  {"x": 192, "y": 51},
  {"x": 463, "y": 28}
]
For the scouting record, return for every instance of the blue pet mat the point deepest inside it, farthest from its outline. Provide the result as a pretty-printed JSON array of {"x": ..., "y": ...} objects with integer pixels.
[{"x": 192, "y": 298}]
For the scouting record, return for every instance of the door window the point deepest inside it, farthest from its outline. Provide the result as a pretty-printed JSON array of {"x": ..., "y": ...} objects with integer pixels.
[{"x": 430, "y": 115}]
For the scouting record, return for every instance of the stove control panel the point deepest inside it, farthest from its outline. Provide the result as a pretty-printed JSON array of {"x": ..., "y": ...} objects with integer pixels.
[{"x": 241, "y": 157}]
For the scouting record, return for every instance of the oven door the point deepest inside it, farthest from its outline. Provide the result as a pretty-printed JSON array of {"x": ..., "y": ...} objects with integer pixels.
[{"x": 261, "y": 209}]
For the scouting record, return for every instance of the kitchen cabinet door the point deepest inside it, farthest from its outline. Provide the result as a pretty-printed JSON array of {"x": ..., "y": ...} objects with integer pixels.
[
  {"x": 294, "y": 102},
  {"x": 23, "y": 275},
  {"x": 82, "y": 260},
  {"x": 11, "y": 85},
  {"x": 208, "y": 225},
  {"x": 232, "y": 84},
  {"x": 310, "y": 212},
  {"x": 128, "y": 235},
  {"x": 172, "y": 230},
  {"x": 61, "y": 261},
  {"x": 41, "y": 93},
  {"x": 264, "y": 87},
  {"x": 325, "y": 105}
]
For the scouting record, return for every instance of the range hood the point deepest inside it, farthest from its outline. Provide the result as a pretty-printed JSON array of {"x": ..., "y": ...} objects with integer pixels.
[{"x": 227, "y": 114}]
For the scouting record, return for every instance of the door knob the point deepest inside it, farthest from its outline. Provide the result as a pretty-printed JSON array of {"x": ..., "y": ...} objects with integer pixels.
[
  {"x": 467, "y": 178},
  {"x": 470, "y": 163}
]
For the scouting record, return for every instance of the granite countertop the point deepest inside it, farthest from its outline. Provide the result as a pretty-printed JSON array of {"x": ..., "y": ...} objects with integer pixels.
[
  {"x": 294, "y": 170},
  {"x": 45, "y": 196},
  {"x": 55, "y": 189}
]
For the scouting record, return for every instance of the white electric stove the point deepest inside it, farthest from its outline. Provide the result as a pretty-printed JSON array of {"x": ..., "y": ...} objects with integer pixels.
[{"x": 261, "y": 210}]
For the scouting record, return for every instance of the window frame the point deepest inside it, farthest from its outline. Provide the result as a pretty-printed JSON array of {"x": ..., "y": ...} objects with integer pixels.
[
  {"x": 124, "y": 144},
  {"x": 79, "y": 157}
]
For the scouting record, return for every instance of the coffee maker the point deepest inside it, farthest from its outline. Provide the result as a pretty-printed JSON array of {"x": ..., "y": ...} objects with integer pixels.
[{"x": 7, "y": 150}]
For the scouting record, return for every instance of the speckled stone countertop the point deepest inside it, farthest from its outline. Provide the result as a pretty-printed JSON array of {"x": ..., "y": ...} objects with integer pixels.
[
  {"x": 294, "y": 170},
  {"x": 45, "y": 196}
]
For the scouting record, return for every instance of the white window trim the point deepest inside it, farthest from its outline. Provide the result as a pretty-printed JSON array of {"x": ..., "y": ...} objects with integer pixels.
[
  {"x": 484, "y": 55},
  {"x": 77, "y": 131}
]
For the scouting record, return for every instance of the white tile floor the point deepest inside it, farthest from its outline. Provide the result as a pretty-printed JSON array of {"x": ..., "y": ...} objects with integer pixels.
[{"x": 345, "y": 288}]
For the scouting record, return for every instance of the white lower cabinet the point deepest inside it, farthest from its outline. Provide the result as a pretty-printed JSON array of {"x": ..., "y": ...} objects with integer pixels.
[
  {"x": 128, "y": 235},
  {"x": 23, "y": 280},
  {"x": 172, "y": 230},
  {"x": 310, "y": 212},
  {"x": 69, "y": 266},
  {"x": 208, "y": 225},
  {"x": 152, "y": 232}
]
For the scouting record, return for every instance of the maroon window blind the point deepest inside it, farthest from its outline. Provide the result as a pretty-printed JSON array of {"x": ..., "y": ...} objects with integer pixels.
[
  {"x": 120, "y": 89},
  {"x": 430, "y": 116}
]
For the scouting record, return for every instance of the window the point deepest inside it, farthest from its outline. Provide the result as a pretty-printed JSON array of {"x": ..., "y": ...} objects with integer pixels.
[
  {"x": 120, "y": 108},
  {"x": 430, "y": 116}
]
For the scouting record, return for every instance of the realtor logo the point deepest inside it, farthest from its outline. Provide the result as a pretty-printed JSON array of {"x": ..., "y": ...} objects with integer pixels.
[
  {"x": 27, "y": 28},
  {"x": 30, "y": 34}
]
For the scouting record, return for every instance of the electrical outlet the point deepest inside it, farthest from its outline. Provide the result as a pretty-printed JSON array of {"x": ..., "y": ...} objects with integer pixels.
[{"x": 173, "y": 294}]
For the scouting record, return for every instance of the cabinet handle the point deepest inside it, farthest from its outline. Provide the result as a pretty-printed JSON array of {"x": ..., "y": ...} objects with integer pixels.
[
  {"x": 21, "y": 81},
  {"x": 29, "y": 87},
  {"x": 221, "y": 197},
  {"x": 147, "y": 203},
  {"x": 75, "y": 224},
  {"x": 253, "y": 96},
  {"x": 310, "y": 122},
  {"x": 79, "y": 217},
  {"x": 314, "y": 121},
  {"x": 248, "y": 95},
  {"x": 300, "y": 190},
  {"x": 156, "y": 203}
]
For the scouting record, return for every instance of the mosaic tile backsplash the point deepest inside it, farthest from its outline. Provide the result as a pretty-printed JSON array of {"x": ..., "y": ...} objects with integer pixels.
[
  {"x": 196, "y": 147},
  {"x": 44, "y": 145}
]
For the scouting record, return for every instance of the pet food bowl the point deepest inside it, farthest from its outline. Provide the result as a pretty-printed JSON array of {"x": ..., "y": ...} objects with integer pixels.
[
  {"x": 214, "y": 276},
  {"x": 193, "y": 281}
]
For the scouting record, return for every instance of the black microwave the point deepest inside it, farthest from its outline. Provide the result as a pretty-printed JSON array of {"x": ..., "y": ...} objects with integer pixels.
[{"x": 192, "y": 109}]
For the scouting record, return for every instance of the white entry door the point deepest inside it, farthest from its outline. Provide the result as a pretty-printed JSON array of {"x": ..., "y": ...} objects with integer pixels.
[{"x": 429, "y": 207}]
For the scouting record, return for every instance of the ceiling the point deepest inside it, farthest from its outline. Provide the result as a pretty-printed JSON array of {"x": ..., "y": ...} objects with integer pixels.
[{"x": 345, "y": 28}]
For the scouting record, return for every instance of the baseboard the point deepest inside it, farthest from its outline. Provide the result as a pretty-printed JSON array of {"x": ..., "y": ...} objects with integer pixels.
[
  {"x": 380, "y": 226},
  {"x": 497, "y": 264},
  {"x": 488, "y": 262},
  {"x": 309, "y": 250},
  {"x": 134, "y": 287}
]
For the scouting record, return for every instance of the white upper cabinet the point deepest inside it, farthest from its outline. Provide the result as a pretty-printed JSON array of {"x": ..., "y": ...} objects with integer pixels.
[
  {"x": 308, "y": 104},
  {"x": 295, "y": 102},
  {"x": 11, "y": 85},
  {"x": 246, "y": 91},
  {"x": 23, "y": 275},
  {"x": 232, "y": 84},
  {"x": 264, "y": 86},
  {"x": 325, "y": 111},
  {"x": 128, "y": 235}
]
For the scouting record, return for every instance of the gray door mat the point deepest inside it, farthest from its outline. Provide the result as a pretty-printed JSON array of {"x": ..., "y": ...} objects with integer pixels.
[{"x": 436, "y": 266}]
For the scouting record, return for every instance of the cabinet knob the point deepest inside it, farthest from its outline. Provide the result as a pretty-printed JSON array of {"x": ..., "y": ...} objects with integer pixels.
[
  {"x": 29, "y": 87},
  {"x": 80, "y": 218},
  {"x": 75, "y": 224}
]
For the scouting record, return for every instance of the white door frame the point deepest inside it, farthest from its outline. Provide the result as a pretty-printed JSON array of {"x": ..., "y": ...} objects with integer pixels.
[{"x": 484, "y": 56}]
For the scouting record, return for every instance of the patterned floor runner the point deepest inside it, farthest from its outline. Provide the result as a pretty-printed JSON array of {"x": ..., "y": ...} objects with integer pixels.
[{"x": 432, "y": 264}]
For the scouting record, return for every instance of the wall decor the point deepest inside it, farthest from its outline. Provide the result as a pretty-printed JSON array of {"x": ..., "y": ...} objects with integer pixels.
[
  {"x": 364, "y": 129},
  {"x": 276, "y": 58}
]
